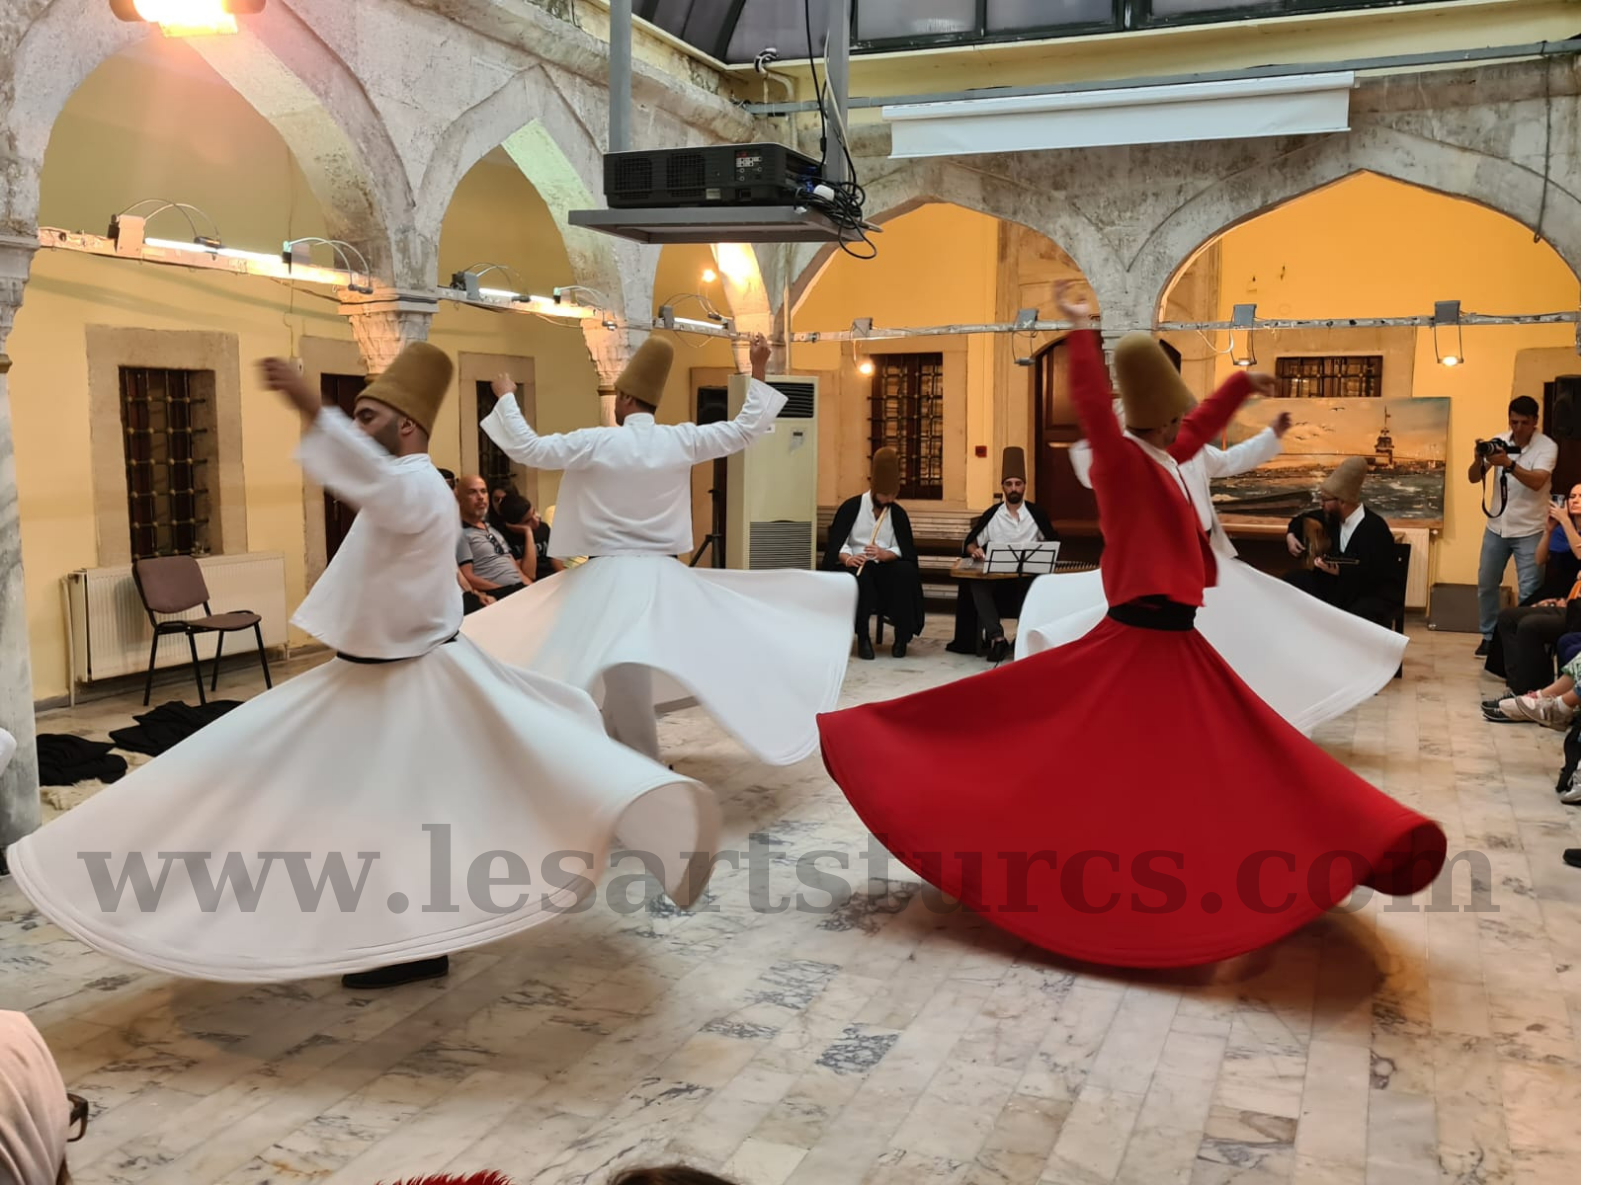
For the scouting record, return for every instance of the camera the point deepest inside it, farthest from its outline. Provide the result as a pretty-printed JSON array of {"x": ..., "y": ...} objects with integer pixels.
[{"x": 1488, "y": 449}]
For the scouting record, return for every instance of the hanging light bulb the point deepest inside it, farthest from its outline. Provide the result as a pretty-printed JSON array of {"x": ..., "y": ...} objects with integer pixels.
[
  {"x": 187, "y": 18},
  {"x": 709, "y": 275},
  {"x": 867, "y": 367},
  {"x": 1448, "y": 312}
]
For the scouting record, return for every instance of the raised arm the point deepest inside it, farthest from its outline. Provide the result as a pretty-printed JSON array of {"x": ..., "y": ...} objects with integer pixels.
[
  {"x": 1208, "y": 421},
  {"x": 1080, "y": 455},
  {"x": 1248, "y": 454},
  {"x": 552, "y": 452},
  {"x": 762, "y": 404},
  {"x": 350, "y": 465}
]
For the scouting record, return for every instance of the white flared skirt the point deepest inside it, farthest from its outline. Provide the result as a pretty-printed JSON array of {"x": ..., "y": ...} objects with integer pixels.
[
  {"x": 361, "y": 815},
  {"x": 762, "y": 651},
  {"x": 1308, "y": 660}
]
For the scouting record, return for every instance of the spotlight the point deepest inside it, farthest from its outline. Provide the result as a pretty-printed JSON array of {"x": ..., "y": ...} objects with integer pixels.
[
  {"x": 1448, "y": 312},
  {"x": 187, "y": 18},
  {"x": 867, "y": 367},
  {"x": 1244, "y": 317},
  {"x": 709, "y": 275}
]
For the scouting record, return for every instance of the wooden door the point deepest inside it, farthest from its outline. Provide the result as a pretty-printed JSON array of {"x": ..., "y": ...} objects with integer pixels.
[
  {"x": 1056, "y": 428},
  {"x": 337, "y": 516},
  {"x": 1562, "y": 424}
]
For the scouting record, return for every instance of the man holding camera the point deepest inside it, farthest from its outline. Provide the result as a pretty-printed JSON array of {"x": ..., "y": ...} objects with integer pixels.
[{"x": 1522, "y": 459}]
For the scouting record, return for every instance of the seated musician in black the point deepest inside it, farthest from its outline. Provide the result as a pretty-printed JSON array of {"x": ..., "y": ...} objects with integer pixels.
[
  {"x": 981, "y": 603},
  {"x": 871, "y": 537},
  {"x": 1354, "y": 566}
]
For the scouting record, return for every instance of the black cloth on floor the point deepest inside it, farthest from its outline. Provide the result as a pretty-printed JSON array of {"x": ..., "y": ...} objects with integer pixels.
[
  {"x": 165, "y": 726},
  {"x": 66, "y": 759}
]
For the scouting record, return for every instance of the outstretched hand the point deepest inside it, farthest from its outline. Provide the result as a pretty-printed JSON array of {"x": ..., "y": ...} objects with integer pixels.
[
  {"x": 282, "y": 376},
  {"x": 1075, "y": 310},
  {"x": 1282, "y": 425},
  {"x": 1264, "y": 384},
  {"x": 760, "y": 356}
]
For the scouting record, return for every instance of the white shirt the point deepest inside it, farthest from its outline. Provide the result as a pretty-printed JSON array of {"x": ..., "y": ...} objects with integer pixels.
[
  {"x": 1010, "y": 529},
  {"x": 861, "y": 532},
  {"x": 1526, "y": 510},
  {"x": 391, "y": 590},
  {"x": 625, "y": 489},
  {"x": 1347, "y": 527},
  {"x": 1196, "y": 475}
]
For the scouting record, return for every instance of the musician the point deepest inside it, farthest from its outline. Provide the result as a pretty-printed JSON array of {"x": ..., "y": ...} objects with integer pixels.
[
  {"x": 980, "y": 603},
  {"x": 871, "y": 536},
  {"x": 1352, "y": 563}
]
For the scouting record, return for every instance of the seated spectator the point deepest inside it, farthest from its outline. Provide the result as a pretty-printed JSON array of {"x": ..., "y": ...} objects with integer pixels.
[
  {"x": 668, "y": 1176},
  {"x": 1359, "y": 571},
  {"x": 37, "y": 1115},
  {"x": 523, "y": 527},
  {"x": 1554, "y": 707},
  {"x": 1526, "y": 638},
  {"x": 871, "y": 538},
  {"x": 484, "y": 557}
]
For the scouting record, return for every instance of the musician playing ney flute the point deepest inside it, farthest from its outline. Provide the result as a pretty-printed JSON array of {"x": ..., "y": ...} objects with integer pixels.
[{"x": 871, "y": 537}]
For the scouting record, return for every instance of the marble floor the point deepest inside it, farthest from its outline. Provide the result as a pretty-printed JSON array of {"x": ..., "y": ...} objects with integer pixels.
[{"x": 880, "y": 1042}]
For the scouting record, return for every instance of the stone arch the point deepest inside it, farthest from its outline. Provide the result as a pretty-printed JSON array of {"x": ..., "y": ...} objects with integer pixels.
[
  {"x": 1458, "y": 172},
  {"x": 529, "y": 116},
  {"x": 277, "y": 64},
  {"x": 907, "y": 187}
]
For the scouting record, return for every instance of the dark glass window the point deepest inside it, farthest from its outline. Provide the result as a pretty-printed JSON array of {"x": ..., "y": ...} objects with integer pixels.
[{"x": 167, "y": 442}]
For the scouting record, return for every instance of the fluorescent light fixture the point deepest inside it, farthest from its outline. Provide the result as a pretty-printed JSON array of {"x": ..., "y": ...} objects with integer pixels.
[
  {"x": 205, "y": 246},
  {"x": 1244, "y": 317},
  {"x": 670, "y": 320},
  {"x": 1448, "y": 312}
]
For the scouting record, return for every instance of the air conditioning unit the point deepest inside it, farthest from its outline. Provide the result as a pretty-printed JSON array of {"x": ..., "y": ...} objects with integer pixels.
[{"x": 772, "y": 486}]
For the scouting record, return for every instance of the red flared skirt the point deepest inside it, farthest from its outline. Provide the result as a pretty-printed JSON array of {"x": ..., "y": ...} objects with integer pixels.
[{"x": 1125, "y": 800}]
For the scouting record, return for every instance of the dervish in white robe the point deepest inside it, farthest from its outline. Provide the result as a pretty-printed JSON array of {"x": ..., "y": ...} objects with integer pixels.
[
  {"x": 370, "y": 811},
  {"x": 1308, "y": 660},
  {"x": 762, "y": 651}
]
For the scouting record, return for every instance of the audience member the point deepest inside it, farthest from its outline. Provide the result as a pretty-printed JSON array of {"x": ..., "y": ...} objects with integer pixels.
[
  {"x": 482, "y": 554},
  {"x": 37, "y": 1116},
  {"x": 670, "y": 1176},
  {"x": 524, "y": 528},
  {"x": 1518, "y": 499},
  {"x": 1359, "y": 571}
]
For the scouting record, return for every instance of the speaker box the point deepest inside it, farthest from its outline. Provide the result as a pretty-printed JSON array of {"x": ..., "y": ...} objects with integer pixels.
[{"x": 1453, "y": 607}]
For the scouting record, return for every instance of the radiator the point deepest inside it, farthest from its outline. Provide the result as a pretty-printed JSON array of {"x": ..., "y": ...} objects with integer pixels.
[
  {"x": 1418, "y": 577},
  {"x": 108, "y": 633}
]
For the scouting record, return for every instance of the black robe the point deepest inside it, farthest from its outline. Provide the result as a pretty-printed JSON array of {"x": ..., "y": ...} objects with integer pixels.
[
  {"x": 1372, "y": 587},
  {"x": 1008, "y": 593},
  {"x": 893, "y": 590}
]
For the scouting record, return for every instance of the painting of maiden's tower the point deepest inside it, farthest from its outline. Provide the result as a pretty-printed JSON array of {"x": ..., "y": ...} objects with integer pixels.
[{"x": 1403, "y": 441}]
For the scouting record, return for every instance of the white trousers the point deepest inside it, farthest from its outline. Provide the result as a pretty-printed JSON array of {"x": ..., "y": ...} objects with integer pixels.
[{"x": 630, "y": 707}]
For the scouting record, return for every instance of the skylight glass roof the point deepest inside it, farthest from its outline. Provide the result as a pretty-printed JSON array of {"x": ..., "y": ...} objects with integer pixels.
[{"x": 736, "y": 31}]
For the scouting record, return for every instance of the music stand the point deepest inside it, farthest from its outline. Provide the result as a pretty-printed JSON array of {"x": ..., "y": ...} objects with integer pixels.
[{"x": 1039, "y": 558}]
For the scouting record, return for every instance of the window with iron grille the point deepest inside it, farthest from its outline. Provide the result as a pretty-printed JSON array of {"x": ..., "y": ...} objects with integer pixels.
[
  {"x": 493, "y": 464},
  {"x": 908, "y": 414},
  {"x": 169, "y": 442},
  {"x": 1347, "y": 375}
]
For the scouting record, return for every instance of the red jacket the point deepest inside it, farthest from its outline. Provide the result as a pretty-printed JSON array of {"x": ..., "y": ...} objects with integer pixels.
[{"x": 1154, "y": 543}]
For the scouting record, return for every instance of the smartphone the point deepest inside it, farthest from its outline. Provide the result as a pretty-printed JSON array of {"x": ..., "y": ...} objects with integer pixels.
[{"x": 1559, "y": 501}]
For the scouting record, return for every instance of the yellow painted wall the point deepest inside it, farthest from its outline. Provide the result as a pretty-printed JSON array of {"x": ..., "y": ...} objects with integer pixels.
[
  {"x": 1371, "y": 247},
  {"x": 936, "y": 265},
  {"x": 158, "y": 122}
]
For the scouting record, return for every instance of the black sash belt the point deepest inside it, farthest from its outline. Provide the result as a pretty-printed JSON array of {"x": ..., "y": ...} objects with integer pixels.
[
  {"x": 378, "y": 662},
  {"x": 1154, "y": 612}
]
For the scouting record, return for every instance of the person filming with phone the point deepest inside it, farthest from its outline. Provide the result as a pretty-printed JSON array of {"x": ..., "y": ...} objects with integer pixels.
[
  {"x": 1515, "y": 469},
  {"x": 1350, "y": 550}
]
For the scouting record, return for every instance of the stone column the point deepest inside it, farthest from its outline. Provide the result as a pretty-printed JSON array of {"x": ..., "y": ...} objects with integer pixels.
[
  {"x": 385, "y": 321},
  {"x": 19, "y": 785}
]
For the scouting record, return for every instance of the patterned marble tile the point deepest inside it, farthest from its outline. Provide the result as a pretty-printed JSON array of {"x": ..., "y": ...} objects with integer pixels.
[{"x": 889, "y": 1040}]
